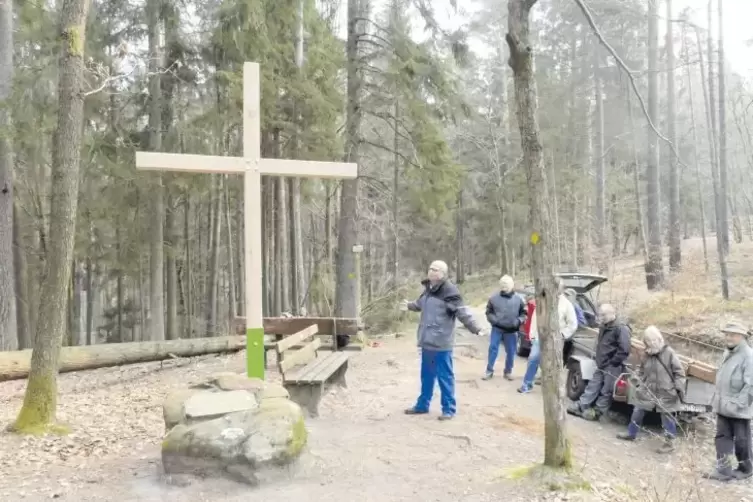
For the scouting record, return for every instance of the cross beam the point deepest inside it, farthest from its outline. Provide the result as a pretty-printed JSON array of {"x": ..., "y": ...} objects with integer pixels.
[{"x": 252, "y": 166}]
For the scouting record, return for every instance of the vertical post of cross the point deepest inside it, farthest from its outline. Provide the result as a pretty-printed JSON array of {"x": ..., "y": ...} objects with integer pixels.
[{"x": 252, "y": 220}]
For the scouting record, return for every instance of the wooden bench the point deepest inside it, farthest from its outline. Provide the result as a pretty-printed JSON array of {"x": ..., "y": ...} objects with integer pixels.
[{"x": 306, "y": 371}]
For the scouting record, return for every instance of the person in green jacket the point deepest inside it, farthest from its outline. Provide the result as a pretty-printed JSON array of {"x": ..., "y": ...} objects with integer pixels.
[{"x": 733, "y": 404}]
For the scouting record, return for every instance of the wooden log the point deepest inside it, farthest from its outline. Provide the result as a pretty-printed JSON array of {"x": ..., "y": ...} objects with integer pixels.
[
  {"x": 327, "y": 326},
  {"x": 15, "y": 365}
]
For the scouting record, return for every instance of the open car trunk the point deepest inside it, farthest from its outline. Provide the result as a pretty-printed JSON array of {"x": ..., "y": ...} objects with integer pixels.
[{"x": 581, "y": 283}]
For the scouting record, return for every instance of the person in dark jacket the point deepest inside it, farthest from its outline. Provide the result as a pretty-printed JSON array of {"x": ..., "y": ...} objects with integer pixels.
[
  {"x": 506, "y": 312},
  {"x": 612, "y": 350},
  {"x": 660, "y": 385},
  {"x": 440, "y": 305}
]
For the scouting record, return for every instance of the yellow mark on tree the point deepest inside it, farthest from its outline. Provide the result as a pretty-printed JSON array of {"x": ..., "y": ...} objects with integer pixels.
[{"x": 535, "y": 238}]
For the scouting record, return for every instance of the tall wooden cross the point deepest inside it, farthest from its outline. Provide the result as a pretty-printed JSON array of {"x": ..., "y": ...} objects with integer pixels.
[{"x": 252, "y": 166}]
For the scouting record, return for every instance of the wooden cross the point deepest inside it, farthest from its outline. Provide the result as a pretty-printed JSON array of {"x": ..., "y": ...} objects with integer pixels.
[{"x": 252, "y": 166}]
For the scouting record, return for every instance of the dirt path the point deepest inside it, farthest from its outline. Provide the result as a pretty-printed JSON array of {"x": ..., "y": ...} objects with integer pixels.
[{"x": 362, "y": 447}]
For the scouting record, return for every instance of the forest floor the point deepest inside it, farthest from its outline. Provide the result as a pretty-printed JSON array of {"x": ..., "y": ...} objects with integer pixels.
[{"x": 362, "y": 447}]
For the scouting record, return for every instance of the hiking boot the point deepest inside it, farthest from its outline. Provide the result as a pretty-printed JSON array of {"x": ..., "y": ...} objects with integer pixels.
[
  {"x": 445, "y": 416},
  {"x": 508, "y": 377},
  {"x": 742, "y": 473},
  {"x": 625, "y": 436},
  {"x": 488, "y": 375},
  {"x": 525, "y": 389},
  {"x": 414, "y": 411},
  {"x": 574, "y": 409},
  {"x": 591, "y": 415},
  {"x": 723, "y": 475},
  {"x": 668, "y": 446}
]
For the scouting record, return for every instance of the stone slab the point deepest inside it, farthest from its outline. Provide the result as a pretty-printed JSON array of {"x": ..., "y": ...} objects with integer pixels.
[{"x": 214, "y": 404}]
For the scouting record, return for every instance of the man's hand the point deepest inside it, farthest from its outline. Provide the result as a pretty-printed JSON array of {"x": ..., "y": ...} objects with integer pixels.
[
  {"x": 481, "y": 332},
  {"x": 404, "y": 305}
]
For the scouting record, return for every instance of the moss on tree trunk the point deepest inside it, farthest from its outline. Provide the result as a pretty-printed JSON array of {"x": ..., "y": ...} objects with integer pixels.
[{"x": 40, "y": 401}]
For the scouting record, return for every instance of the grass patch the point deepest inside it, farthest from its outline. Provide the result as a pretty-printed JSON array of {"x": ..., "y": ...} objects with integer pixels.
[{"x": 689, "y": 313}]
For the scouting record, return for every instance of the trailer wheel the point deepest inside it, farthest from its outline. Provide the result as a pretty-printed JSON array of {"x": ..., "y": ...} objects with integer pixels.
[{"x": 575, "y": 383}]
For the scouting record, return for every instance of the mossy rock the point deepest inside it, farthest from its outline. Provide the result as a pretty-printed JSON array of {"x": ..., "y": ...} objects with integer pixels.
[
  {"x": 172, "y": 408},
  {"x": 246, "y": 446}
]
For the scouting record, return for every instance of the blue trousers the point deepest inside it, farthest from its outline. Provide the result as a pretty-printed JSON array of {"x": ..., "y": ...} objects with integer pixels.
[
  {"x": 510, "y": 341},
  {"x": 667, "y": 422},
  {"x": 436, "y": 365},
  {"x": 534, "y": 359}
]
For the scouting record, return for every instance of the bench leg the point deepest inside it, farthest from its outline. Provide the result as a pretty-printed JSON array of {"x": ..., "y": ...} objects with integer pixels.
[{"x": 339, "y": 376}]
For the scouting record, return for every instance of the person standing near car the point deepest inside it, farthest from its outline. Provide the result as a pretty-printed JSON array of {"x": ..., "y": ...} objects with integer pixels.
[
  {"x": 567, "y": 348},
  {"x": 733, "y": 404},
  {"x": 568, "y": 325},
  {"x": 506, "y": 312},
  {"x": 660, "y": 386},
  {"x": 440, "y": 305},
  {"x": 612, "y": 351}
]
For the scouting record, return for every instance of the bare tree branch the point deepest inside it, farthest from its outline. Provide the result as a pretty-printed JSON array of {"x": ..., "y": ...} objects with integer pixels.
[{"x": 631, "y": 76}]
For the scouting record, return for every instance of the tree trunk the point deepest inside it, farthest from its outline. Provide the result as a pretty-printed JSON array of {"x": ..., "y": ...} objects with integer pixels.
[
  {"x": 89, "y": 305},
  {"x": 395, "y": 251},
  {"x": 214, "y": 265},
  {"x": 188, "y": 266},
  {"x": 157, "y": 214},
  {"x": 720, "y": 224},
  {"x": 171, "y": 272},
  {"x": 723, "y": 213},
  {"x": 701, "y": 205},
  {"x": 40, "y": 400},
  {"x": 297, "y": 272},
  {"x": 557, "y": 450},
  {"x": 654, "y": 266},
  {"x": 22, "y": 284},
  {"x": 15, "y": 365},
  {"x": 675, "y": 253},
  {"x": 459, "y": 224},
  {"x": 346, "y": 303},
  {"x": 8, "y": 323},
  {"x": 600, "y": 217},
  {"x": 283, "y": 248},
  {"x": 233, "y": 309}
]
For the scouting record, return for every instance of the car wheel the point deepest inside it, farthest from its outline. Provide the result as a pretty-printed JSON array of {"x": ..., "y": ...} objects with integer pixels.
[
  {"x": 524, "y": 350},
  {"x": 575, "y": 383}
]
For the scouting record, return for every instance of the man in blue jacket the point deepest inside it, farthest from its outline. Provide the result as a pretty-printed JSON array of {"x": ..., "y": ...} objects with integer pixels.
[
  {"x": 440, "y": 305},
  {"x": 506, "y": 312}
]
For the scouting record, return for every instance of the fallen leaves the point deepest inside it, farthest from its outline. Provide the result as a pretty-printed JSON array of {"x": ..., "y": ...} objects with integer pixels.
[{"x": 112, "y": 413}]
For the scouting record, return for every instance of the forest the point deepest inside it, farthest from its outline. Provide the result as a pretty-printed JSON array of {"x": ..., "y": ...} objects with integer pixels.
[{"x": 643, "y": 124}]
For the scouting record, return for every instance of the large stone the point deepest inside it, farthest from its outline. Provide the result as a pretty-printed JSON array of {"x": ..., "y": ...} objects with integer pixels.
[
  {"x": 272, "y": 391},
  {"x": 235, "y": 381},
  {"x": 208, "y": 405},
  {"x": 248, "y": 446},
  {"x": 172, "y": 409}
]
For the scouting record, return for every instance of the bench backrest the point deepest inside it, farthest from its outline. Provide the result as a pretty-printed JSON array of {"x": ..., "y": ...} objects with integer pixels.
[{"x": 288, "y": 359}]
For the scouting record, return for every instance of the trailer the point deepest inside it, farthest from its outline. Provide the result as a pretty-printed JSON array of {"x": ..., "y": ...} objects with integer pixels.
[
  {"x": 701, "y": 377},
  {"x": 699, "y": 387}
]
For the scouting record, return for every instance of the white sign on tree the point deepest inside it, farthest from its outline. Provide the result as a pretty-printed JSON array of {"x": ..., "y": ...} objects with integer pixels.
[{"x": 252, "y": 167}]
